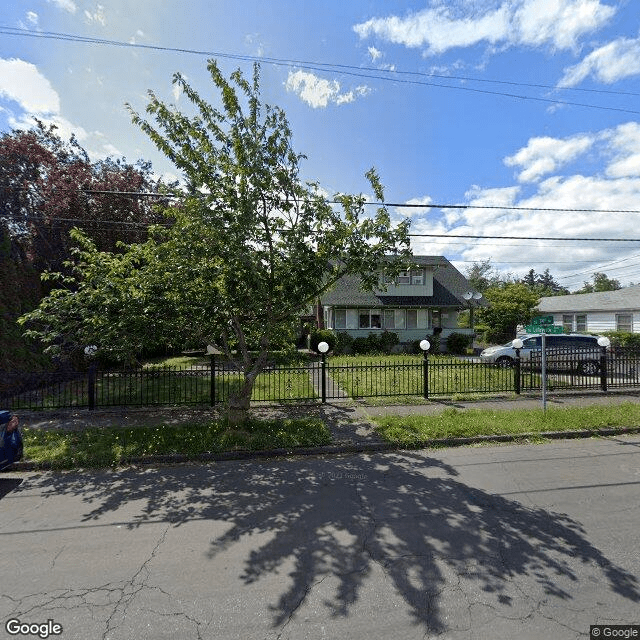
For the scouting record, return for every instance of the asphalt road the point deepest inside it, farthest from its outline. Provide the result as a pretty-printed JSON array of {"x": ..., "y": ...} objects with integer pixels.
[{"x": 499, "y": 542}]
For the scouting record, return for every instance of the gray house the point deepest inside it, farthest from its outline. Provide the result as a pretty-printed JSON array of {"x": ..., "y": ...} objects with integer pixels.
[
  {"x": 418, "y": 303},
  {"x": 596, "y": 312}
]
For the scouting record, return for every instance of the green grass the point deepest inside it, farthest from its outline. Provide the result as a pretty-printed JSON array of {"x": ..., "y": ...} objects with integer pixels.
[
  {"x": 455, "y": 423},
  {"x": 111, "y": 446},
  {"x": 362, "y": 376}
]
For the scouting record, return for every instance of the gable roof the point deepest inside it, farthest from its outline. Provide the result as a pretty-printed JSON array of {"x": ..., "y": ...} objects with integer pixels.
[
  {"x": 627, "y": 299},
  {"x": 449, "y": 286}
]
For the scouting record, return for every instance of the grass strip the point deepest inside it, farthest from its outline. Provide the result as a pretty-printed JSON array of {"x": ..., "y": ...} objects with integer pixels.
[
  {"x": 468, "y": 423},
  {"x": 111, "y": 446}
]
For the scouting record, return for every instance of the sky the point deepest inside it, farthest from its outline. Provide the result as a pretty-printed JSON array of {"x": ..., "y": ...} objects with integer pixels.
[{"x": 519, "y": 106}]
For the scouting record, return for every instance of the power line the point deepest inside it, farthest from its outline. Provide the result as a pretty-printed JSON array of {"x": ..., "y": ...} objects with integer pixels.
[
  {"x": 351, "y": 70},
  {"x": 474, "y": 237},
  {"x": 398, "y": 205}
]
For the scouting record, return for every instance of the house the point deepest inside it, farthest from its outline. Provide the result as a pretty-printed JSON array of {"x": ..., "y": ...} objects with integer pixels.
[
  {"x": 596, "y": 312},
  {"x": 419, "y": 303}
]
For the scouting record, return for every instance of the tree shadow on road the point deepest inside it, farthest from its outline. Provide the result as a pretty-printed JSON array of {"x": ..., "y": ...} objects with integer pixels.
[{"x": 344, "y": 518}]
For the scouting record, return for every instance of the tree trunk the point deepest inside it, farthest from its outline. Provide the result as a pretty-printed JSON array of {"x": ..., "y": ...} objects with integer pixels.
[{"x": 240, "y": 403}]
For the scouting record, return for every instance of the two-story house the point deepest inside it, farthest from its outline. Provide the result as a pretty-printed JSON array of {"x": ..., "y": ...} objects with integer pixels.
[{"x": 418, "y": 303}]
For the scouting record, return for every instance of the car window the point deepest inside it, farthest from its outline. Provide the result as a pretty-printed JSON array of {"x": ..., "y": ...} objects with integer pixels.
[{"x": 531, "y": 343}]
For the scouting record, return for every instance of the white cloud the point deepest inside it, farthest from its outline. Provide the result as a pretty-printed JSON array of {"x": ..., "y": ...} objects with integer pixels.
[
  {"x": 97, "y": 16},
  {"x": 544, "y": 155},
  {"x": 65, "y": 5},
  {"x": 558, "y": 23},
  {"x": 625, "y": 149},
  {"x": 21, "y": 82},
  {"x": 374, "y": 53},
  {"x": 614, "y": 61},
  {"x": 32, "y": 18},
  {"x": 318, "y": 92}
]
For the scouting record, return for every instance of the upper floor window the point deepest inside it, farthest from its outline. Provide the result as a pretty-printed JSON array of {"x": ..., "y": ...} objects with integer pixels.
[{"x": 415, "y": 276}]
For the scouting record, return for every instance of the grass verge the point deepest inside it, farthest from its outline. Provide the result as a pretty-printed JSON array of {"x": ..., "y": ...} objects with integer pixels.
[
  {"x": 468, "y": 423},
  {"x": 111, "y": 446}
]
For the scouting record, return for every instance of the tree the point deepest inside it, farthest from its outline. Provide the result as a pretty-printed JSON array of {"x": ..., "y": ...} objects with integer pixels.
[
  {"x": 250, "y": 247},
  {"x": 510, "y": 304},
  {"x": 600, "y": 282},
  {"x": 544, "y": 284},
  {"x": 48, "y": 186}
]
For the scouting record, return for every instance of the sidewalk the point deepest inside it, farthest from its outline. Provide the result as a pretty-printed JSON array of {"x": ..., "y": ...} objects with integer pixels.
[{"x": 350, "y": 422}]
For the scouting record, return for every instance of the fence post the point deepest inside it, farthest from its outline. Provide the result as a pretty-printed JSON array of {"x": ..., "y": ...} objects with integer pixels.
[
  {"x": 425, "y": 368},
  {"x": 212, "y": 393},
  {"x": 92, "y": 386},
  {"x": 324, "y": 378},
  {"x": 603, "y": 369},
  {"x": 516, "y": 373}
]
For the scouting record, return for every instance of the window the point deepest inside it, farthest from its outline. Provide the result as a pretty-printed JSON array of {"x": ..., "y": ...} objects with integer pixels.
[
  {"x": 417, "y": 319},
  {"x": 624, "y": 322},
  {"x": 581, "y": 323},
  {"x": 340, "y": 318},
  {"x": 404, "y": 277},
  {"x": 369, "y": 319},
  {"x": 394, "y": 319},
  {"x": 576, "y": 322},
  {"x": 417, "y": 277},
  {"x": 567, "y": 323}
]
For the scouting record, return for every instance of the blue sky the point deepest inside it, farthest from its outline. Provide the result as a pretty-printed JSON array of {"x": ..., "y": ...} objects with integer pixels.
[{"x": 505, "y": 103}]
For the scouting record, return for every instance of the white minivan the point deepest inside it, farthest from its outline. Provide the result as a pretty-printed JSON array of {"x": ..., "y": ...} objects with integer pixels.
[{"x": 584, "y": 346}]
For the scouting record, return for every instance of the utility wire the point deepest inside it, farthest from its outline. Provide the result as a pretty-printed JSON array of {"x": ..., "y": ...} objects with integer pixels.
[
  {"x": 398, "y": 205},
  {"x": 317, "y": 66}
]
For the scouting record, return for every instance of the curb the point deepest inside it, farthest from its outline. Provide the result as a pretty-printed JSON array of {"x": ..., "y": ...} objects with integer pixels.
[{"x": 345, "y": 448}]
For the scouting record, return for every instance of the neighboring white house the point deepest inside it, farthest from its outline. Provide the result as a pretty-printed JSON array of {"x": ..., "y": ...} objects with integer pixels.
[
  {"x": 415, "y": 305},
  {"x": 595, "y": 312}
]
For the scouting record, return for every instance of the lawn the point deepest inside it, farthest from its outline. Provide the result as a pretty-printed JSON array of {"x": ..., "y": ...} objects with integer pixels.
[
  {"x": 110, "y": 446},
  {"x": 361, "y": 376},
  {"x": 455, "y": 423}
]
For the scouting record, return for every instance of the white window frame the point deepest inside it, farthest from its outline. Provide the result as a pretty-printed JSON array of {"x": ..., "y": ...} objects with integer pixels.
[
  {"x": 417, "y": 277},
  {"x": 369, "y": 313},
  {"x": 630, "y": 323},
  {"x": 404, "y": 277}
]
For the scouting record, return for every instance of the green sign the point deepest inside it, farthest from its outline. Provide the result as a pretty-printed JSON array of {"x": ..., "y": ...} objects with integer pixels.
[
  {"x": 536, "y": 328},
  {"x": 542, "y": 320}
]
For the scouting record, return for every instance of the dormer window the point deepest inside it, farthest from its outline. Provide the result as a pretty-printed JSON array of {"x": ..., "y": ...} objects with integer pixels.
[
  {"x": 404, "y": 277},
  {"x": 417, "y": 277}
]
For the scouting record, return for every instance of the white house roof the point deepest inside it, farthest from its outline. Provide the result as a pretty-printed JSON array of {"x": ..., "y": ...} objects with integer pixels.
[{"x": 626, "y": 299}]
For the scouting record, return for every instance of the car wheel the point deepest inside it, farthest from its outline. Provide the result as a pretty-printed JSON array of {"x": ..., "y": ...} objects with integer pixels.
[
  {"x": 589, "y": 367},
  {"x": 505, "y": 362}
]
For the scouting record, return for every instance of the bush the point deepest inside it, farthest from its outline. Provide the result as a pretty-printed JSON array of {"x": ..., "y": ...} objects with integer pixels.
[
  {"x": 458, "y": 342},
  {"x": 323, "y": 335},
  {"x": 388, "y": 340},
  {"x": 344, "y": 341},
  {"x": 625, "y": 340},
  {"x": 360, "y": 346}
]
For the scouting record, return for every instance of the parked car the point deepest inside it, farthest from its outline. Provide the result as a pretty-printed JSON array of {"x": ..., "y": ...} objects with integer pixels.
[{"x": 562, "y": 350}]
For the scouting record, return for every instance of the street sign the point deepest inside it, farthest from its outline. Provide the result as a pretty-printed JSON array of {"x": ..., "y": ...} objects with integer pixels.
[
  {"x": 536, "y": 328},
  {"x": 542, "y": 320}
]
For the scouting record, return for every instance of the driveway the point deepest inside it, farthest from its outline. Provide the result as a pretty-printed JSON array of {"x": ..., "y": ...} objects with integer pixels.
[{"x": 472, "y": 543}]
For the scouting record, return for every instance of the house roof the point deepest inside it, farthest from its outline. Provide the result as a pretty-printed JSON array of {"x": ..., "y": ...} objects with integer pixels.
[
  {"x": 449, "y": 286},
  {"x": 627, "y": 299}
]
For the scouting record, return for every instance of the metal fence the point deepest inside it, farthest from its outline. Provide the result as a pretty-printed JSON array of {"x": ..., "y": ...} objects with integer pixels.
[{"x": 433, "y": 376}]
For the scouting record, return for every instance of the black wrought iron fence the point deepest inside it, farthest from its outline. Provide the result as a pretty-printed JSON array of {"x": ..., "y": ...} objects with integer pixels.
[{"x": 428, "y": 377}]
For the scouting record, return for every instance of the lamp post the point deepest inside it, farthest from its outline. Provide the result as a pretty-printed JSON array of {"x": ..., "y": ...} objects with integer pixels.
[
  {"x": 424, "y": 345},
  {"x": 90, "y": 351},
  {"x": 323, "y": 347},
  {"x": 470, "y": 297},
  {"x": 517, "y": 344},
  {"x": 604, "y": 343}
]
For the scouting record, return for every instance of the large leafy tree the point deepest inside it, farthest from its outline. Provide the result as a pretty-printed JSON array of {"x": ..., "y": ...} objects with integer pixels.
[
  {"x": 49, "y": 186},
  {"x": 251, "y": 245},
  {"x": 600, "y": 282}
]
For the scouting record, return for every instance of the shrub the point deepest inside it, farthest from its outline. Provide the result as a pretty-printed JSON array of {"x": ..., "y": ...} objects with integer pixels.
[
  {"x": 388, "y": 340},
  {"x": 625, "y": 340},
  {"x": 457, "y": 343},
  {"x": 344, "y": 341},
  {"x": 323, "y": 335},
  {"x": 360, "y": 346}
]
